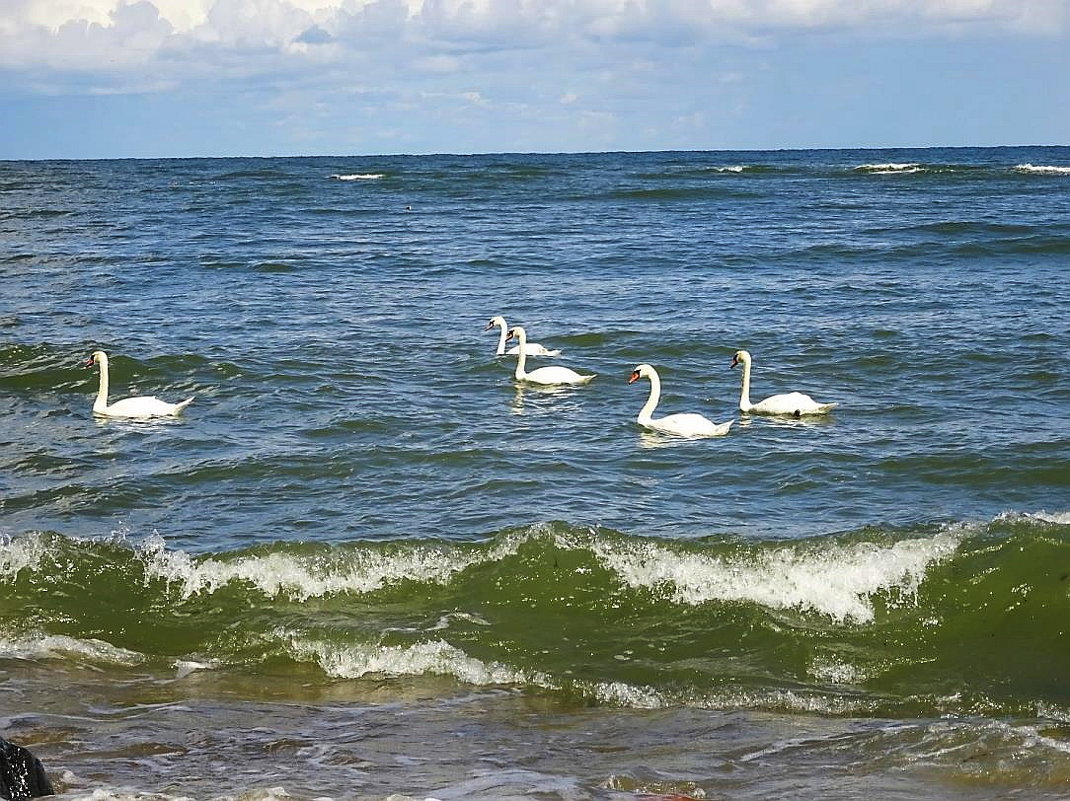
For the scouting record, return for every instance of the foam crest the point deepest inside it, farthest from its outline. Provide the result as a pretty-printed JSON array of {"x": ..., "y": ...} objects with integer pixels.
[
  {"x": 1058, "y": 518},
  {"x": 48, "y": 646},
  {"x": 19, "y": 554},
  {"x": 1042, "y": 169},
  {"x": 891, "y": 168},
  {"x": 186, "y": 667},
  {"x": 836, "y": 580},
  {"x": 1051, "y": 518},
  {"x": 303, "y": 577},
  {"x": 630, "y": 696},
  {"x": 436, "y": 657},
  {"x": 639, "y": 697},
  {"x": 118, "y": 794},
  {"x": 358, "y": 176}
]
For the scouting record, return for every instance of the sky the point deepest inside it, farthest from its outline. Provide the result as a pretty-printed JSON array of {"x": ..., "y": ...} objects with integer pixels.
[{"x": 176, "y": 78}]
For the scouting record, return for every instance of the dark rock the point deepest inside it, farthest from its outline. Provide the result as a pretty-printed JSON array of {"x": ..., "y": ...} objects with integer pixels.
[{"x": 21, "y": 773}]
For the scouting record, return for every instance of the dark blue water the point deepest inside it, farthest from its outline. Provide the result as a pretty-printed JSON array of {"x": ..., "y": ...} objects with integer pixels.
[{"x": 362, "y": 511}]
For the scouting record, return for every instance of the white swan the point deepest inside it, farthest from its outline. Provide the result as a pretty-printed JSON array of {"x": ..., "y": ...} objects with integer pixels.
[
  {"x": 687, "y": 424},
  {"x": 534, "y": 348},
  {"x": 547, "y": 376},
  {"x": 140, "y": 407},
  {"x": 795, "y": 404}
]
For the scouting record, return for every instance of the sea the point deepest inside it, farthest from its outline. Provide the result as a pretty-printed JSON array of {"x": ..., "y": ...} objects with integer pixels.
[{"x": 367, "y": 563}]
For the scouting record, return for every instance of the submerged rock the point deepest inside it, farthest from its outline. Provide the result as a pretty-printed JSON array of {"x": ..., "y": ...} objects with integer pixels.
[{"x": 21, "y": 773}]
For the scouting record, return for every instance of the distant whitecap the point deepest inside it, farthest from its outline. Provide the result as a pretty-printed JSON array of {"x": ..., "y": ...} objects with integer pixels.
[
  {"x": 358, "y": 176},
  {"x": 1042, "y": 170},
  {"x": 890, "y": 168}
]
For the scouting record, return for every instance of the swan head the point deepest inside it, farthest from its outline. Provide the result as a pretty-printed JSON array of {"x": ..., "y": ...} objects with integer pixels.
[
  {"x": 641, "y": 371},
  {"x": 740, "y": 357},
  {"x": 97, "y": 357},
  {"x": 517, "y": 332},
  {"x": 495, "y": 322}
]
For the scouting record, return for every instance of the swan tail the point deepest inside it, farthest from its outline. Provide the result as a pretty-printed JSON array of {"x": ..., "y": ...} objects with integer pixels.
[
  {"x": 821, "y": 408},
  {"x": 183, "y": 404}
]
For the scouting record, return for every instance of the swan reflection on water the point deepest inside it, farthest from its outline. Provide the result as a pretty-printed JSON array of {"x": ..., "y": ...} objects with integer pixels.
[
  {"x": 649, "y": 438},
  {"x": 812, "y": 421},
  {"x": 141, "y": 425},
  {"x": 540, "y": 392},
  {"x": 655, "y": 440}
]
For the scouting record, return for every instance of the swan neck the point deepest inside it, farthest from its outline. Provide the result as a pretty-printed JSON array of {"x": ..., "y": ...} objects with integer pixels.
[
  {"x": 744, "y": 393},
  {"x": 522, "y": 356},
  {"x": 501, "y": 341},
  {"x": 102, "y": 391},
  {"x": 647, "y": 412}
]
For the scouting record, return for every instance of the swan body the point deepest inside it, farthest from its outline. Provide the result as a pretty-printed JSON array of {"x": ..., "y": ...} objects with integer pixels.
[
  {"x": 547, "y": 376},
  {"x": 534, "y": 348},
  {"x": 687, "y": 424},
  {"x": 141, "y": 407},
  {"x": 795, "y": 404}
]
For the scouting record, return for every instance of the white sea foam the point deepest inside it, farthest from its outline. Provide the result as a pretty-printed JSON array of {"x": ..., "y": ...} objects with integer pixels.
[
  {"x": 47, "y": 646},
  {"x": 835, "y": 671},
  {"x": 628, "y": 695},
  {"x": 437, "y": 658},
  {"x": 810, "y": 704},
  {"x": 303, "y": 577},
  {"x": 266, "y": 794},
  {"x": 121, "y": 794},
  {"x": 1057, "y": 518},
  {"x": 129, "y": 794},
  {"x": 358, "y": 176},
  {"x": 837, "y": 580},
  {"x": 891, "y": 168},
  {"x": 1042, "y": 170},
  {"x": 184, "y": 667},
  {"x": 1052, "y": 711},
  {"x": 21, "y": 553},
  {"x": 447, "y": 620}
]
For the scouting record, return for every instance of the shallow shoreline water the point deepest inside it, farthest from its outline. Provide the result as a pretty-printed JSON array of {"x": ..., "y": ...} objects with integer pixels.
[{"x": 148, "y": 739}]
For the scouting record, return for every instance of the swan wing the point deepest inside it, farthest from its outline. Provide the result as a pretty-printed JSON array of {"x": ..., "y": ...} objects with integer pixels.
[
  {"x": 556, "y": 375},
  {"x": 689, "y": 424},
  {"x": 142, "y": 407},
  {"x": 791, "y": 403}
]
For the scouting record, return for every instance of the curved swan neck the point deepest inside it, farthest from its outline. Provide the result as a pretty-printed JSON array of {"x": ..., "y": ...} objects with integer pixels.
[
  {"x": 522, "y": 356},
  {"x": 102, "y": 392},
  {"x": 744, "y": 393},
  {"x": 646, "y": 413},
  {"x": 501, "y": 339}
]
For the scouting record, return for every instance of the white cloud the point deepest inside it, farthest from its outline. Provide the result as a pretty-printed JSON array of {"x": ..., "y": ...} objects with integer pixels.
[
  {"x": 440, "y": 64},
  {"x": 178, "y": 40}
]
